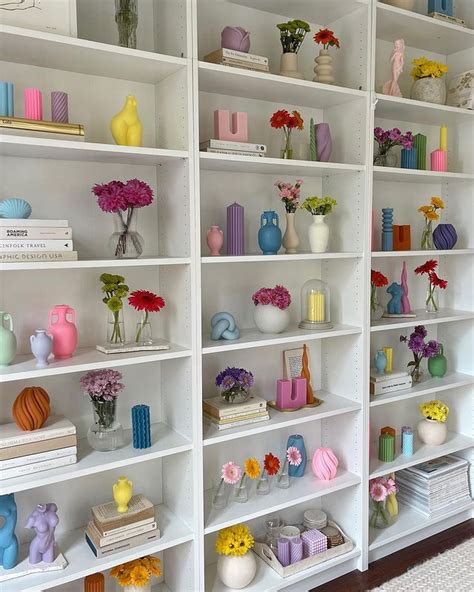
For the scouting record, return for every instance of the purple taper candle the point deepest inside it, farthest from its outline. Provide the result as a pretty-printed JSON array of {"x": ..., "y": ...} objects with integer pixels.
[
  {"x": 235, "y": 229},
  {"x": 59, "y": 107}
]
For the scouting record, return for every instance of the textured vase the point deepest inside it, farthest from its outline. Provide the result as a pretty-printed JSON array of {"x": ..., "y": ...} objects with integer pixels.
[
  {"x": 323, "y": 68},
  {"x": 430, "y": 90},
  {"x": 41, "y": 347},
  {"x": 63, "y": 330},
  {"x": 235, "y": 38},
  {"x": 323, "y": 142},
  {"x": 318, "y": 234},
  {"x": 289, "y": 66},
  {"x": 215, "y": 240},
  {"x": 291, "y": 241},
  {"x": 269, "y": 235},
  {"x": 126, "y": 17},
  {"x": 432, "y": 433},
  {"x": 7, "y": 339},
  {"x": 444, "y": 236},
  {"x": 270, "y": 319},
  {"x": 297, "y": 441},
  {"x": 237, "y": 572},
  {"x": 438, "y": 365},
  {"x": 324, "y": 464}
]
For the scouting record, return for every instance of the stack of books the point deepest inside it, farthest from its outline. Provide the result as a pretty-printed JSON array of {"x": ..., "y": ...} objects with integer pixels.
[
  {"x": 229, "y": 147},
  {"x": 23, "y": 453},
  {"x": 29, "y": 239},
  {"x": 111, "y": 532},
  {"x": 398, "y": 380},
  {"x": 238, "y": 59},
  {"x": 223, "y": 416},
  {"x": 435, "y": 487}
]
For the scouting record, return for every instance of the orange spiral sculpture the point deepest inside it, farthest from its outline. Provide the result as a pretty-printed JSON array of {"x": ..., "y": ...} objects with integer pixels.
[{"x": 31, "y": 408}]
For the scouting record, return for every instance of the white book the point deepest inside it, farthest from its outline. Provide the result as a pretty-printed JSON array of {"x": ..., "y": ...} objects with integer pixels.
[
  {"x": 218, "y": 406},
  {"x": 35, "y": 458},
  {"x": 125, "y": 529},
  {"x": 237, "y": 424},
  {"x": 55, "y": 427},
  {"x": 229, "y": 145},
  {"x": 32, "y": 222},
  {"x": 19, "y": 244},
  {"x": 246, "y": 65},
  {"x": 375, "y": 377},
  {"x": 110, "y": 539},
  {"x": 391, "y": 386},
  {"x": 35, "y": 232},
  {"x": 236, "y": 152},
  {"x": 233, "y": 54},
  {"x": 38, "y": 467},
  {"x": 37, "y": 256}
]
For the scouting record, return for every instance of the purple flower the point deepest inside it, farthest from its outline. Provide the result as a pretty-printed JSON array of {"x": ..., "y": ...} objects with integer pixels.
[
  {"x": 421, "y": 330},
  {"x": 102, "y": 385},
  {"x": 416, "y": 343},
  {"x": 234, "y": 377},
  {"x": 431, "y": 349},
  {"x": 394, "y": 134},
  {"x": 110, "y": 196}
]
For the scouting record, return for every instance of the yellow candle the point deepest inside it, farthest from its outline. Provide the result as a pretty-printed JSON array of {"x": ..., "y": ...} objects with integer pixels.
[
  {"x": 389, "y": 355},
  {"x": 443, "y": 138},
  {"x": 312, "y": 307}
]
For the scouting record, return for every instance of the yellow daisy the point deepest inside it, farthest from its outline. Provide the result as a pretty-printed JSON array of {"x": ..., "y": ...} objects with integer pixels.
[
  {"x": 252, "y": 468},
  {"x": 139, "y": 576},
  {"x": 432, "y": 215},
  {"x": 437, "y": 202}
]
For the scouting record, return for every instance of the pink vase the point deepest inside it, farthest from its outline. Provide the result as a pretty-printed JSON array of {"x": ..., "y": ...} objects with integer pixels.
[
  {"x": 64, "y": 331},
  {"x": 215, "y": 240}
]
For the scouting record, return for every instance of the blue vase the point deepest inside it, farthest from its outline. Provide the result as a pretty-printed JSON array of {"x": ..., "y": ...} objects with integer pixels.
[
  {"x": 269, "y": 235},
  {"x": 8, "y": 540},
  {"x": 380, "y": 361},
  {"x": 297, "y": 441}
]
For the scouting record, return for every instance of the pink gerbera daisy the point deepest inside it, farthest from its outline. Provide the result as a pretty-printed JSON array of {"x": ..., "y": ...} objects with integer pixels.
[
  {"x": 378, "y": 492},
  {"x": 294, "y": 456},
  {"x": 231, "y": 473}
]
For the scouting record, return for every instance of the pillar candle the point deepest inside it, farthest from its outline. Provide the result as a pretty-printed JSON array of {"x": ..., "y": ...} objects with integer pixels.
[
  {"x": 407, "y": 443},
  {"x": 386, "y": 448},
  {"x": 6, "y": 99},
  {"x": 59, "y": 107},
  {"x": 316, "y": 307},
  {"x": 389, "y": 355},
  {"x": 419, "y": 143},
  {"x": 296, "y": 550},
  {"x": 443, "y": 138},
  {"x": 33, "y": 104},
  {"x": 235, "y": 229},
  {"x": 284, "y": 551},
  {"x": 439, "y": 161}
]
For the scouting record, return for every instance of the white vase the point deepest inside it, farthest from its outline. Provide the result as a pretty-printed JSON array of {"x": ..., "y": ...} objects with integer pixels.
[
  {"x": 430, "y": 90},
  {"x": 237, "y": 572},
  {"x": 405, "y": 4},
  {"x": 291, "y": 241},
  {"x": 318, "y": 234},
  {"x": 145, "y": 588},
  {"x": 271, "y": 319},
  {"x": 289, "y": 66},
  {"x": 323, "y": 68},
  {"x": 432, "y": 432}
]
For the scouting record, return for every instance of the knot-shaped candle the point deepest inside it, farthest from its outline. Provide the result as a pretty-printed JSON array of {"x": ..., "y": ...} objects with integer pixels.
[{"x": 324, "y": 464}]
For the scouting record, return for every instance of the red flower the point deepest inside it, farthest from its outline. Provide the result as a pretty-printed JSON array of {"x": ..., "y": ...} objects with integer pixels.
[
  {"x": 145, "y": 300},
  {"x": 280, "y": 118},
  {"x": 296, "y": 121},
  {"x": 326, "y": 37},
  {"x": 271, "y": 464},
  {"x": 378, "y": 279},
  {"x": 427, "y": 267},
  {"x": 438, "y": 282}
]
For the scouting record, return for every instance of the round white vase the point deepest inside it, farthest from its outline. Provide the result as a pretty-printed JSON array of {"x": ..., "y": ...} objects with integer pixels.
[
  {"x": 289, "y": 66},
  {"x": 237, "y": 572},
  {"x": 290, "y": 241},
  {"x": 271, "y": 319},
  {"x": 405, "y": 4},
  {"x": 323, "y": 68},
  {"x": 318, "y": 234},
  {"x": 432, "y": 432},
  {"x": 430, "y": 90}
]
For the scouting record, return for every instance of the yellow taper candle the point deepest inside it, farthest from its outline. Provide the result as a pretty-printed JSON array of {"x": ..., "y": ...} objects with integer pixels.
[
  {"x": 389, "y": 355},
  {"x": 443, "y": 138},
  {"x": 312, "y": 305}
]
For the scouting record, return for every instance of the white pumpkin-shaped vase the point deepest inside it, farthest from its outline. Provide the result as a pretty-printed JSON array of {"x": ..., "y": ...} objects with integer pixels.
[
  {"x": 431, "y": 432},
  {"x": 237, "y": 572}
]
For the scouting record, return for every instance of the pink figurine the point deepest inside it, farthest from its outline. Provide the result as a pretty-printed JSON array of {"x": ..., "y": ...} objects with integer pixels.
[
  {"x": 397, "y": 58},
  {"x": 324, "y": 464},
  {"x": 222, "y": 129},
  {"x": 406, "y": 308},
  {"x": 215, "y": 240},
  {"x": 43, "y": 521}
]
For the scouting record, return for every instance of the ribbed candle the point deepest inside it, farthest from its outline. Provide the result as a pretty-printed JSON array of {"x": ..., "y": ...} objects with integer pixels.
[
  {"x": 6, "y": 99},
  {"x": 284, "y": 551},
  {"x": 33, "y": 104},
  {"x": 439, "y": 161},
  {"x": 419, "y": 143},
  {"x": 387, "y": 229},
  {"x": 407, "y": 442},
  {"x": 141, "y": 434},
  {"x": 409, "y": 159},
  {"x": 94, "y": 583},
  {"x": 59, "y": 107},
  {"x": 386, "y": 447},
  {"x": 296, "y": 550},
  {"x": 235, "y": 229}
]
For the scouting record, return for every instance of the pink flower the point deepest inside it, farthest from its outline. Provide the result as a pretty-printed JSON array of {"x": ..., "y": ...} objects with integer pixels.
[
  {"x": 378, "y": 492},
  {"x": 137, "y": 194},
  {"x": 391, "y": 486},
  {"x": 110, "y": 196},
  {"x": 293, "y": 456},
  {"x": 231, "y": 473}
]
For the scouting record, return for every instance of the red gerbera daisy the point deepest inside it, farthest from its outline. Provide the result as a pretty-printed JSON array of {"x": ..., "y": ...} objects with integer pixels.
[
  {"x": 271, "y": 464},
  {"x": 378, "y": 279},
  {"x": 325, "y": 37},
  {"x": 145, "y": 300},
  {"x": 427, "y": 267},
  {"x": 438, "y": 282},
  {"x": 296, "y": 121},
  {"x": 280, "y": 118}
]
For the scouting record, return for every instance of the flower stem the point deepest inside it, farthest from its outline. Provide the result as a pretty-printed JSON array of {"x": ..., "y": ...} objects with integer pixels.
[{"x": 141, "y": 326}]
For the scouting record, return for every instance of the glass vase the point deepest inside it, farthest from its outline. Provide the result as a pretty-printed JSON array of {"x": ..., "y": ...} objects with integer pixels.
[
  {"x": 219, "y": 497},
  {"x": 427, "y": 236},
  {"x": 380, "y": 517},
  {"x": 143, "y": 335},
  {"x": 286, "y": 149},
  {"x": 416, "y": 373},
  {"x": 431, "y": 300},
  {"x": 115, "y": 328},
  {"x": 263, "y": 484},
  {"x": 236, "y": 394},
  {"x": 376, "y": 310},
  {"x": 126, "y": 17},
  {"x": 283, "y": 479},
  {"x": 126, "y": 242},
  {"x": 385, "y": 159},
  {"x": 106, "y": 433},
  {"x": 241, "y": 493},
  {"x": 273, "y": 526}
]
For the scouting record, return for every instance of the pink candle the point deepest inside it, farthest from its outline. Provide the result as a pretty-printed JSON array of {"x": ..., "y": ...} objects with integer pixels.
[
  {"x": 33, "y": 104},
  {"x": 439, "y": 160}
]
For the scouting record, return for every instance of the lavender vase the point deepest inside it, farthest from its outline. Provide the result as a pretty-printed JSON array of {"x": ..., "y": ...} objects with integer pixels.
[
  {"x": 43, "y": 520},
  {"x": 235, "y": 38},
  {"x": 323, "y": 142},
  {"x": 41, "y": 347}
]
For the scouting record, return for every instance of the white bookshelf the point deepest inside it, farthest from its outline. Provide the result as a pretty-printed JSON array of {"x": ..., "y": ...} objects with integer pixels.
[{"x": 177, "y": 92}]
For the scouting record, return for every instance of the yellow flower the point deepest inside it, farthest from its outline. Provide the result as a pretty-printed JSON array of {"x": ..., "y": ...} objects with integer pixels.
[
  {"x": 424, "y": 68},
  {"x": 139, "y": 576},
  {"x": 124, "y": 579},
  {"x": 432, "y": 215},
  {"x": 252, "y": 468},
  {"x": 425, "y": 209},
  {"x": 234, "y": 540},
  {"x": 437, "y": 202}
]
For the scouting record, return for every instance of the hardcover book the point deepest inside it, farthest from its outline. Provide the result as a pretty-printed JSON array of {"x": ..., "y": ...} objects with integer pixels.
[
  {"x": 18, "y": 244},
  {"x": 38, "y": 467},
  {"x": 32, "y": 223},
  {"x": 218, "y": 55},
  {"x": 106, "y": 517},
  {"x": 103, "y": 541},
  {"x": 37, "y": 447},
  {"x": 237, "y": 423},
  {"x": 36, "y": 458},
  {"x": 35, "y": 232},
  {"x": 54, "y": 427},
  {"x": 229, "y": 145},
  {"x": 217, "y": 406},
  {"x": 141, "y": 539},
  {"x": 37, "y": 256}
]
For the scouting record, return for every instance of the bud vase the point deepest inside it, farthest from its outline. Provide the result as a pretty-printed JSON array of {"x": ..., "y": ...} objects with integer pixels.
[
  {"x": 289, "y": 66},
  {"x": 286, "y": 148},
  {"x": 126, "y": 242},
  {"x": 115, "y": 328},
  {"x": 241, "y": 494},
  {"x": 290, "y": 241},
  {"x": 219, "y": 497},
  {"x": 283, "y": 479},
  {"x": 431, "y": 302},
  {"x": 263, "y": 485},
  {"x": 323, "y": 68},
  {"x": 427, "y": 236},
  {"x": 106, "y": 433},
  {"x": 143, "y": 335}
]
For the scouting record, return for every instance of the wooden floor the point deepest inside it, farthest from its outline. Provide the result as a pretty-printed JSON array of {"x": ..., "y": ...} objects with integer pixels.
[{"x": 395, "y": 565}]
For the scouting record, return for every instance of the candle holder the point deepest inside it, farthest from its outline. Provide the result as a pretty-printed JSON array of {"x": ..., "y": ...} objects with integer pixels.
[{"x": 315, "y": 306}]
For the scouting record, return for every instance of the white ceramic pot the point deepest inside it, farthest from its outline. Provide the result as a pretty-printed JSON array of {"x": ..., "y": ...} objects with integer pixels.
[
  {"x": 318, "y": 235},
  {"x": 289, "y": 66},
  {"x": 271, "y": 319},
  {"x": 430, "y": 90},
  {"x": 237, "y": 572},
  {"x": 323, "y": 68},
  {"x": 291, "y": 241},
  {"x": 145, "y": 588},
  {"x": 405, "y": 4},
  {"x": 432, "y": 432}
]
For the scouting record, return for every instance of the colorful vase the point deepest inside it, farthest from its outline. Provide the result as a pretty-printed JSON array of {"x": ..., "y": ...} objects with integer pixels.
[
  {"x": 235, "y": 38},
  {"x": 290, "y": 241},
  {"x": 324, "y": 464},
  {"x": 438, "y": 365},
  {"x": 380, "y": 361},
  {"x": 269, "y": 235},
  {"x": 215, "y": 240},
  {"x": 123, "y": 491},
  {"x": 297, "y": 441},
  {"x": 444, "y": 236},
  {"x": 7, "y": 339},
  {"x": 41, "y": 347},
  {"x": 63, "y": 331}
]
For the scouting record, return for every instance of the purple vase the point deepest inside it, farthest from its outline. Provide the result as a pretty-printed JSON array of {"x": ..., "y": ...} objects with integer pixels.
[
  {"x": 323, "y": 142},
  {"x": 444, "y": 236},
  {"x": 235, "y": 38}
]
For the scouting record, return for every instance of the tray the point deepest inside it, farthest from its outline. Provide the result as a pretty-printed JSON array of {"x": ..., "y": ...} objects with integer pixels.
[{"x": 265, "y": 553}]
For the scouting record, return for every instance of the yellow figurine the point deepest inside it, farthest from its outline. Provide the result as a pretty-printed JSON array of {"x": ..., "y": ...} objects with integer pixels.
[
  {"x": 126, "y": 126},
  {"x": 122, "y": 489}
]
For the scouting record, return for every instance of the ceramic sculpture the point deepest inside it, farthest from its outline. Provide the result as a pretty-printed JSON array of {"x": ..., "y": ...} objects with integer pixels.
[
  {"x": 269, "y": 235},
  {"x": 305, "y": 373},
  {"x": 438, "y": 365},
  {"x": 63, "y": 330},
  {"x": 122, "y": 490},
  {"x": 223, "y": 326},
  {"x": 215, "y": 240},
  {"x": 126, "y": 127},
  {"x": 41, "y": 347},
  {"x": 8, "y": 540},
  {"x": 31, "y": 408},
  {"x": 380, "y": 361},
  {"x": 7, "y": 106},
  {"x": 397, "y": 60},
  {"x": 394, "y": 305},
  {"x": 324, "y": 464},
  {"x": 239, "y": 132},
  {"x": 235, "y": 38},
  {"x": 43, "y": 520},
  {"x": 141, "y": 430},
  {"x": 15, "y": 208},
  {"x": 7, "y": 339}
]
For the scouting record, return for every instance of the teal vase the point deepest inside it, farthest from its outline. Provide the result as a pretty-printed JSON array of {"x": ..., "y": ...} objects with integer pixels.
[
  {"x": 438, "y": 365},
  {"x": 7, "y": 339},
  {"x": 297, "y": 441},
  {"x": 269, "y": 235}
]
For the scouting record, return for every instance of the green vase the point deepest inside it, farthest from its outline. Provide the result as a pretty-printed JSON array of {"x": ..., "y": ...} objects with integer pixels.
[
  {"x": 7, "y": 339},
  {"x": 438, "y": 365}
]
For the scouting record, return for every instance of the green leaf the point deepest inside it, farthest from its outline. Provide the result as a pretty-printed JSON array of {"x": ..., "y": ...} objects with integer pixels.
[{"x": 411, "y": 364}]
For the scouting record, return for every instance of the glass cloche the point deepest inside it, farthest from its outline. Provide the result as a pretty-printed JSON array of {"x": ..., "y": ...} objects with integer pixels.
[{"x": 315, "y": 306}]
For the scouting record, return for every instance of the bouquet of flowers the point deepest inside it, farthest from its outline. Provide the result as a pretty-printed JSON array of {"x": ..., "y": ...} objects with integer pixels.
[
  {"x": 435, "y": 410},
  {"x": 137, "y": 572},
  {"x": 431, "y": 215},
  {"x": 425, "y": 68},
  {"x": 319, "y": 206},
  {"x": 289, "y": 194},
  {"x": 377, "y": 280},
  {"x": 234, "y": 383},
  {"x": 292, "y": 35},
  {"x": 388, "y": 139},
  {"x": 146, "y": 302},
  {"x": 103, "y": 388},
  {"x": 381, "y": 490},
  {"x": 115, "y": 291},
  {"x": 428, "y": 269},
  {"x": 287, "y": 122},
  {"x": 325, "y": 37},
  {"x": 420, "y": 349},
  {"x": 277, "y": 296},
  {"x": 234, "y": 540}
]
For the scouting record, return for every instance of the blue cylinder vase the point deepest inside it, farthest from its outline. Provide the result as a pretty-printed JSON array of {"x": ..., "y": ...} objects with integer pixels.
[
  {"x": 269, "y": 235},
  {"x": 444, "y": 236},
  {"x": 297, "y": 441}
]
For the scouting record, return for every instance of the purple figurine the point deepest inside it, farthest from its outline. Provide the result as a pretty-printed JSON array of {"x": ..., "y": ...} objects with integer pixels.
[{"x": 44, "y": 521}]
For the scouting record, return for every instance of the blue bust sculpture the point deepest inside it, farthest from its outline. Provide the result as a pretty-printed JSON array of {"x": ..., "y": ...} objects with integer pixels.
[
  {"x": 395, "y": 304},
  {"x": 8, "y": 540}
]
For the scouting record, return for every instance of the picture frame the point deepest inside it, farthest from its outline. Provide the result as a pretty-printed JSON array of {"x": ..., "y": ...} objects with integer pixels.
[
  {"x": 51, "y": 16},
  {"x": 292, "y": 363}
]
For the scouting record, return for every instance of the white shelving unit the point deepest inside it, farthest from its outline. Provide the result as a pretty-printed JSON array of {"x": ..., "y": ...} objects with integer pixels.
[{"x": 177, "y": 93}]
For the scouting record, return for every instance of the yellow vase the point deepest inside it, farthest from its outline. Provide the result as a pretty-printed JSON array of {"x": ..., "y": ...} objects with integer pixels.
[
  {"x": 126, "y": 127},
  {"x": 122, "y": 489}
]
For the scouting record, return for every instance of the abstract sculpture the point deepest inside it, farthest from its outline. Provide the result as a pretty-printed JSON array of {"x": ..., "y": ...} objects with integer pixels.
[
  {"x": 324, "y": 464},
  {"x": 397, "y": 59},
  {"x": 223, "y": 327},
  {"x": 31, "y": 408},
  {"x": 43, "y": 520},
  {"x": 394, "y": 305},
  {"x": 8, "y": 540},
  {"x": 141, "y": 432},
  {"x": 305, "y": 373},
  {"x": 222, "y": 129},
  {"x": 126, "y": 127},
  {"x": 235, "y": 38},
  {"x": 405, "y": 303}
]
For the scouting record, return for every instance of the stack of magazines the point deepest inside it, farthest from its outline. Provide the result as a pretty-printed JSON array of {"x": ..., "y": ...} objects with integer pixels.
[{"x": 435, "y": 487}]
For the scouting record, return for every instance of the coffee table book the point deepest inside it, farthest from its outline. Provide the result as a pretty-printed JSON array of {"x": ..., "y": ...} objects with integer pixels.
[{"x": 108, "y": 519}]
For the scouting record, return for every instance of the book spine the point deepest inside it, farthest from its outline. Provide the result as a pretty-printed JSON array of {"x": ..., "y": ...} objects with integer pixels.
[
  {"x": 39, "y": 436},
  {"x": 235, "y": 416},
  {"x": 32, "y": 223},
  {"x": 236, "y": 152},
  {"x": 237, "y": 424},
  {"x": 228, "y": 145},
  {"x": 7, "y": 245},
  {"x": 224, "y": 413},
  {"x": 389, "y": 386},
  {"x": 35, "y": 232},
  {"x": 116, "y": 538},
  {"x": 36, "y": 458},
  {"x": 18, "y": 123},
  {"x": 38, "y": 467},
  {"x": 122, "y": 545},
  {"x": 244, "y": 57},
  {"x": 37, "y": 257},
  {"x": 124, "y": 529},
  {"x": 37, "y": 447},
  {"x": 387, "y": 376},
  {"x": 246, "y": 65}
]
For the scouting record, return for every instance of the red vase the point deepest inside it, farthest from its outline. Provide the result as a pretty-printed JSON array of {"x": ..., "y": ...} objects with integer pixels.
[{"x": 63, "y": 330}]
